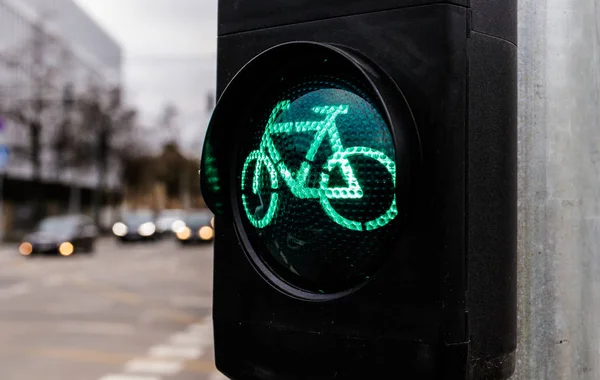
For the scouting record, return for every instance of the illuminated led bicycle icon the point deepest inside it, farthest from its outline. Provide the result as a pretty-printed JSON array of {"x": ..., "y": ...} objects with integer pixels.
[{"x": 269, "y": 157}]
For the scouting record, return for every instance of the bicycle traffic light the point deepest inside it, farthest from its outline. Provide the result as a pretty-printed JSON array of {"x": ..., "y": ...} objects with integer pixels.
[{"x": 361, "y": 165}]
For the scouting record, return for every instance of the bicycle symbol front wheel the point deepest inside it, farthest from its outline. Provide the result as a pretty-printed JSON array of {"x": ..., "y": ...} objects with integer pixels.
[
  {"x": 258, "y": 217},
  {"x": 340, "y": 159}
]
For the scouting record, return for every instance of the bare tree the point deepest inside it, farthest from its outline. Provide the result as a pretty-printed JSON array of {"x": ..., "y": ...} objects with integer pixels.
[
  {"x": 64, "y": 138},
  {"x": 31, "y": 100},
  {"x": 93, "y": 128},
  {"x": 109, "y": 136}
]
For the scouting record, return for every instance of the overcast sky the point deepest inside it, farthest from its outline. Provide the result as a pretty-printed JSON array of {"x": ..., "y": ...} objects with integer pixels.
[{"x": 169, "y": 49}]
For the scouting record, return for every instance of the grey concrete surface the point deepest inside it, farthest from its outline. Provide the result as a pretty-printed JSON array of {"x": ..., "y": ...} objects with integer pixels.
[
  {"x": 559, "y": 197},
  {"x": 128, "y": 312}
]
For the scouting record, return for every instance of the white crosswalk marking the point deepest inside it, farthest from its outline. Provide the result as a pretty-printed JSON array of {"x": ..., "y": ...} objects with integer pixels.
[
  {"x": 203, "y": 333},
  {"x": 165, "y": 351},
  {"x": 161, "y": 367},
  {"x": 168, "y": 359},
  {"x": 187, "y": 339},
  {"x": 201, "y": 328}
]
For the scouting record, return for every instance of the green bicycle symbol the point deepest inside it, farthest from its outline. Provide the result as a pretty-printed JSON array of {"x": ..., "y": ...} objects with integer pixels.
[{"x": 269, "y": 157}]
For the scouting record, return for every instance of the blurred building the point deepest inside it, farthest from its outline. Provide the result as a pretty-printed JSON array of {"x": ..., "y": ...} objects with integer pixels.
[
  {"x": 91, "y": 43},
  {"x": 75, "y": 53}
]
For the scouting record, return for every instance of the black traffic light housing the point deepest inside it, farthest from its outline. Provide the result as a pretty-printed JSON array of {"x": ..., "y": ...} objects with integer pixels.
[{"x": 442, "y": 301}]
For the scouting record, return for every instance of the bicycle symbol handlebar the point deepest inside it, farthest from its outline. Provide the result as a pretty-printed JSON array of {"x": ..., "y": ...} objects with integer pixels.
[{"x": 269, "y": 157}]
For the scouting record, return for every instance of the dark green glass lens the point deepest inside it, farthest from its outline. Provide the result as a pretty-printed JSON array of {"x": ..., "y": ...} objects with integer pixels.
[{"x": 317, "y": 185}]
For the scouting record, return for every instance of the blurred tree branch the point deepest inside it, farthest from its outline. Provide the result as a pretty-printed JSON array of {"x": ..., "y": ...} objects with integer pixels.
[
  {"x": 30, "y": 100},
  {"x": 108, "y": 137},
  {"x": 90, "y": 128}
]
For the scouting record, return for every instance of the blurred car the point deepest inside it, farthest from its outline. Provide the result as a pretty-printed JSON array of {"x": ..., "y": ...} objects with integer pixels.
[
  {"x": 198, "y": 227},
  {"x": 64, "y": 235},
  {"x": 136, "y": 226},
  {"x": 167, "y": 222}
]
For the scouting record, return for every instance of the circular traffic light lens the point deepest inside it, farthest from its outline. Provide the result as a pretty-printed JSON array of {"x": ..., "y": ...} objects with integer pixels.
[{"x": 317, "y": 184}]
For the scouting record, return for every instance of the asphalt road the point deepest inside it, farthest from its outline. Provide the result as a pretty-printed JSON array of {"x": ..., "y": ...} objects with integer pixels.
[{"x": 128, "y": 312}]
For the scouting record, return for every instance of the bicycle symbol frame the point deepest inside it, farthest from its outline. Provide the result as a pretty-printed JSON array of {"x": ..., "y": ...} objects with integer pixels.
[{"x": 268, "y": 156}]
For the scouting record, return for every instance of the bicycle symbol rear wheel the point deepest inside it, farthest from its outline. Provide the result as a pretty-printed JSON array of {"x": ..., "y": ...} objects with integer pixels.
[
  {"x": 268, "y": 215},
  {"x": 326, "y": 193}
]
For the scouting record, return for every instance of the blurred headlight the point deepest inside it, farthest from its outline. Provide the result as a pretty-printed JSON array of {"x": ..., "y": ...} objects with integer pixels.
[
  {"x": 147, "y": 229},
  {"x": 66, "y": 249},
  {"x": 205, "y": 233},
  {"x": 178, "y": 226},
  {"x": 119, "y": 229},
  {"x": 25, "y": 249},
  {"x": 184, "y": 234}
]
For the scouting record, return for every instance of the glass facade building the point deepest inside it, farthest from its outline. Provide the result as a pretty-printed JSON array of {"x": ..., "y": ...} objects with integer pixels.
[{"x": 74, "y": 50}]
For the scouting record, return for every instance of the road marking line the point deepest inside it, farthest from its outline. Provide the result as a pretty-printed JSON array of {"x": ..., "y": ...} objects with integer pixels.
[
  {"x": 163, "y": 367},
  {"x": 169, "y": 360},
  {"x": 186, "y": 339},
  {"x": 203, "y": 337},
  {"x": 201, "y": 329},
  {"x": 188, "y": 353},
  {"x": 128, "y": 377}
]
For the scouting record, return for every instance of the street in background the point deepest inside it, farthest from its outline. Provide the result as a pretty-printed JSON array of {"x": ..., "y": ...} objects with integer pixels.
[
  {"x": 128, "y": 312},
  {"x": 65, "y": 235},
  {"x": 97, "y": 158},
  {"x": 137, "y": 225},
  {"x": 197, "y": 227},
  {"x": 167, "y": 221}
]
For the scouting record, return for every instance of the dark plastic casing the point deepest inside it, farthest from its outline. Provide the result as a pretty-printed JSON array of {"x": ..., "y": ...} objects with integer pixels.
[{"x": 450, "y": 312}]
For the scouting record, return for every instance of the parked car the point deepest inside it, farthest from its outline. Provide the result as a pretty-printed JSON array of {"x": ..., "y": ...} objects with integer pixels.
[
  {"x": 136, "y": 226},
  {"x": 64, "y": 235},
  {"x": 167, "y": 222},
  {"x": 198, "y": 228}
]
